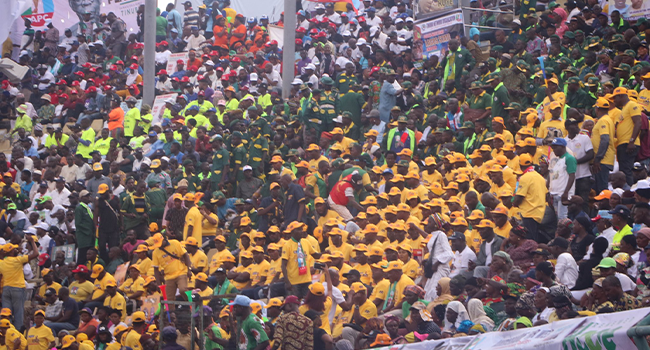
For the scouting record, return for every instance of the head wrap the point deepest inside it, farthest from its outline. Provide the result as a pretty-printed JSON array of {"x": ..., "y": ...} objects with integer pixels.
[
  {"x": 504, "y": 255},
  {"x": 526, "y": 301},
  {"x": 417, "y": 290}
]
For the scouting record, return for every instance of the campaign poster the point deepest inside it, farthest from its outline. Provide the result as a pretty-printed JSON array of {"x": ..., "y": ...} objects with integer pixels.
[
  {"x": 69, "y": 250},
  {"x": 120, "y": 273},
  {"x": 173, "y": 58},
  {"x": 69, "y": 13},
  {"x": 630, "y": 10},
  {"x": 431, "y": 37},
  {"x": 430, "y": 8},
  {"x": 158, "y": 107}
]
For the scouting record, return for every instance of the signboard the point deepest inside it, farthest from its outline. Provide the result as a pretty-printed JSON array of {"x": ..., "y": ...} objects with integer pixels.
[
  {"x": 158, "y": 107},
  {"x": 431, "y": 37},
  {"x": 69, "y": 250},
  {"x": 150, "y": 304},
  {"x": 430, "y": 8},
  {"x": 120, "y": 273},
  {"x": 630, "y": 10},
  {"x": 69, "y": 13},
  {"x": 173, "y": 58}
]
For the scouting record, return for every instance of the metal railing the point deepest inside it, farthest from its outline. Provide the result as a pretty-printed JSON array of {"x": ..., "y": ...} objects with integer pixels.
[{"x": 164, "y": 314}]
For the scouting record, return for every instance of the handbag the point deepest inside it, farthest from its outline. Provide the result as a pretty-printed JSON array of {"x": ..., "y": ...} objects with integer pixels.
[{"x": 428, "y": 264}]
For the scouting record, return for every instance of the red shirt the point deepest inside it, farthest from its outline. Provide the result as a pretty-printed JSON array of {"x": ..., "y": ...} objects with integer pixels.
[{"x": 338, "y": 191}]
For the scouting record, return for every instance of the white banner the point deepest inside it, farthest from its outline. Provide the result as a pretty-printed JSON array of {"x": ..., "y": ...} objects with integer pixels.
[
  {"x": 173, "y": 58},
  {"x": 277, "y": 33},
  {"x": 605, "y": 331},
  {"x": 158, "y": 107}
]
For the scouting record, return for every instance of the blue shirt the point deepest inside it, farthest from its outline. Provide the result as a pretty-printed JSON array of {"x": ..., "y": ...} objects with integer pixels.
[
  {"x": 158, "y": 145},
  {"x": 222, "y": 210},
  {"x": 387, "y": 100},
  {"x": 174, "y": 18}
]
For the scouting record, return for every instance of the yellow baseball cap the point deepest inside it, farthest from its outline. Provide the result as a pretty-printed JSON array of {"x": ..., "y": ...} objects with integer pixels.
[
  {"x": 476, "y": 214},
  {"x": 97, "y": 269},
  {"x": 500, "y": 209},
  {"x": 317, "y": 288},
  {"x": 273, "y": 302},
  {"x": 139, "y": 316},
  {"x": 103, "y": 188},
  {"x": 66, "y": 342},
  {"x": 358, "y": 287},
  {"x": 485, "y": 223},
  {"x": 201, "y": 277},
  {"x": 393, "y": 265}
]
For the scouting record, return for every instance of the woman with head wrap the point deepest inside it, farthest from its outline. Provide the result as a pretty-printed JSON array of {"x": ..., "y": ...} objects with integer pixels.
[
  {"x": 391, "y": 326},
  {"x": 526, "y": 305},
  {"x": 598, "y": 300},
  {"x": 456, "y": 313},
  {"x": 420, "y": 320},
  {"x": 501, "y": 264},
  {"x": 412, "y": 294},
  {"x": 583, "y": 237},
  {"x": 564, "y": 228},
  {"x": 560, "y": 15},
  {"x": 520, "y": 248},
  {"x": 523, "y": 322},
  {"x": 478, "y": 316},
  {"x": 444, "y": 293}
]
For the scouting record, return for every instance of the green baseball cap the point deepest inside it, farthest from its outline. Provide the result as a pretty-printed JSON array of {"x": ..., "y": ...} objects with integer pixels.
[
  {"x": 607, "y": 263},
  {"x": 593, "y": 81},
  {"x": 573, "y": 80},
  {"x": 467, "y": 125},
  {"x": 514, "y": 105},
  {"x": 624, "y": 66},
  {"x": 476, "y": 85},
  {"x": 569, "y": 35},
  {"x": 497, "y": 48},
  {"x": 402, "y": 119},
  {"x": 327, "y": 81},
  {"x": 407, "y": 84}
]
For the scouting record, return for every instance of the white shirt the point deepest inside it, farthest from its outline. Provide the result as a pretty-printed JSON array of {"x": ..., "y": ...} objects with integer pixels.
[
  {"x": 580, "y": 145},
  {"x": 69, "y": 173},
  {"x": 632, "y": 271},
  {"x": 118, "y": 190},
  {"x": 559, "y": 176},
  {"x": 608, "y": 234},
  {"x": 488, "y": 252},
  {"x": 46, "y": 76},
  {"x": 375, "y": 21},
  {"x": 566, "y": 270},
  {"x": 335, "y": 17},
  {"x": 461, "y": 261},
  {"x": 60, "y": 198},
  {"x": 338, "y": 298},
  {"x": 442, "y": 251},
  {"x": 44, "y": 243},
  {"x": 82, "y": 170}
]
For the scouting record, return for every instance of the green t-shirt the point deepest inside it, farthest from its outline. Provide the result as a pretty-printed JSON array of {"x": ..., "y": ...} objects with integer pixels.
[
  {"x": 406, "y": 307},
  {"x": 251, "y": 333},
  {"x": 161, "y": 26},
  {"x": 211, "y": 345}
]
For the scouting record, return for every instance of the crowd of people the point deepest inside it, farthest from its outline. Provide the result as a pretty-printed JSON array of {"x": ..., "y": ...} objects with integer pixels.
[{"x": 388, "y": 200}]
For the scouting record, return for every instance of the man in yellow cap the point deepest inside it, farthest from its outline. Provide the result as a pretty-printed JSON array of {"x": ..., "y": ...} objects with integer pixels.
[
  {"x": 363, "y": 309},
  {"x": 113, "y": 299},
  {"x": 628, "y": 127},
  {"x": 144, "y": 262},
  {"x": 201, "y": 283},
  {"x": 132, "y": 337},
  {"x": 193, "y": 219},
  {"x": 295, "y": 256},
  {"x": 13, "y": 277},
  {"x": 170, "y": 258},
  {"x": 197, "y": 256},
  {"x": 133, "y": 285},
  {"x": 259, "y": 272},
  {"x": 553, "y": 127},
  {"x": 603, "y": 141},
  {"x": 530, "y": 198}
]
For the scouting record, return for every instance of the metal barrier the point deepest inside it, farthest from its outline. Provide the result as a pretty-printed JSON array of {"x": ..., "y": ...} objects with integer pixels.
[
  {"x": 164, "y": 314},
  {"x": 639, "y": 332}
]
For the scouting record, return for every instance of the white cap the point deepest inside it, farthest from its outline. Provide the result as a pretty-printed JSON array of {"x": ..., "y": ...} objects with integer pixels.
[
  {"x": 338, "y": 119},
  {"x": 42, "y": 226},
  {"x": 346, "y": 33},
  {"x": 23, "y": 53},
  {"x": 507, "y": 55},
  {"x": 296, "y": 81},
  {"x": 409, "y": 19},
  {"x": 362, "y": 41},
  {"x": 247, "y": 167},
  {"x": 320, "y": 7},
  {"x": 99, "y": 42},
  {"x": 221, "y": 103},
  {"x": 37, "y": 172},
  {"x": 399, "y": 20},
  {"x": 374, "y": 149},
  {"x": 253, "y": 77},
  {"x": 31, "y": 231},
  {"x": 170, "y": 100},
  {"x": 165, "y": 158},
  {"x": 373, "y": 30},
  {"x": 516, "y": 21},
  {"x": 311, "y": 66},
  {"x": 618, "y": 191},
  {"x": 209, "y": 63},
  {"x": 401, "y": 40},
  {"x": 147, "y": 161},
  {"x": 641, "y": 185}
]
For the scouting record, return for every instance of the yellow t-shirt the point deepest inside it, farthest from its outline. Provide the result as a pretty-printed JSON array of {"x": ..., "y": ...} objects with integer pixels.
[
  {"x": 495, "y": 190},
  {"x": 429, "y": 179},
  {"x": 532, "y": 187},
  {"x": 365, "y": 271},
  {"x": 146, "y": 267},
  {"x": 546, "y": 103},
  {"x": 12, "y": 271},
  {"x": 504, "y": 231},
  {"x": 206, "y": 293},
  {"x": 171, "y": 266},
  {"x": 324, "y": 317},
  {"x": 199, "y": 261},
  {"x": 381, "y": 290},
  {"x": 644, "y": 99},
  {"x": 367, "y": 310},
  {"x": 290, "y": 254},
  {"x": 411, "y": 269},
  {"x": 116, "y": 302},
  {"x": 275, "y": 266},
  {"x": 132, "y": 340},
  {"x": 130, "y": 286},
  {"x": 215, "y": 262},
  {"x": 259, "y": 272},
  {"x": 625, "y": 124},
  {"x": 45, "y": 287},
  {"x": 39, "y": 338},
  {"x": 100, "y": 285},
  {"x": 81, "y": 291},
  {"x": 11, "y": 335},
  {"x": 194, "y": 218},
  {"x": 346, "y": 248},
  {"x": 207, "y": 228},
  {"x": 473, "y": 239},
  {"x": 605, "y": 126},
  {"x": 553, "y": 127},
  {"x": 313, "y": 164},
  {"x": 240, "y": 269},
  {"x": 403, "y": 282}
]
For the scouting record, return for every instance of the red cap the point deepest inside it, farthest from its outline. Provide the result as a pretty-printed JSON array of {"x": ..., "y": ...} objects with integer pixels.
[
  {"x": 120, "y": 62},
  {"x": 134, "y": 57},
  {"x": 201, "y": 93},
  {"x": 274, "y": 42},
  {"x": 301, "y": 30},
  {"x": 194, "y": 69},
  {"x": 205, "y": 55},
  {"x": 91, "y": 80},
  {"x": 87, "y": 65},
  {"x": 332, "y": 25},
  {"x": 81, "y": 74},
  {"x": 374, "y": 69},
  {"x": 93, "y": 70},
  {"x": 175, "y": 79},
  {"x": 325, "y": 20},
  {"x": 313, "y": 31},
  {"x": 235, "y": 59},
  {"x": 298, "y": 41},
  {"x": 63, "y": 96},
  {"x": 61, "y": 82},
  {"x": 133, "y": 86},
  {"x": 91, "y": 89},
  {"x": 162, "y": 71},
  {"x": 42, "y": 259},
  {"x": 108, "y": 88},
  {"x": 185, "y": 80},
  {"x": 199, "y": 78},
  {"x": 219, "y": 69},
  {"x": 75, "y": 83},
  {"x": 180, "y": 62},
  {"x": 80, "y": 268},
  {"x": 361, "y": 19},
  {"x": 164, "y": 43},
  {"x": 214, "y": 53},
  {"x": 133, "y": 66}
]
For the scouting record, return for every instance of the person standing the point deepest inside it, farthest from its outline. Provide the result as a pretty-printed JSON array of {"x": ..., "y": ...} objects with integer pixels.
[
  {"x": 108, "y": 220},
  {"x": 388, "y": 96},
  {"x": 530, "y": 197},
  {"x": 193, "y": 219},
  {"x": 13, "y": 277},
  {"x": 251, "y": 332},
  {"x": 170, "y": 258},
  {"x": 293, "y": 331},
  {"x": 628, "y": 127},
  {"x": 602, "y": 140},
  {"x": 85, "y": 226},
  {"x": 295, "y": 253},
  {"x": 561, "y": 183}
]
